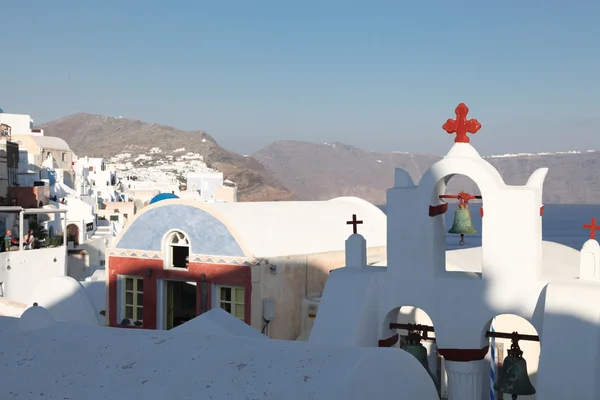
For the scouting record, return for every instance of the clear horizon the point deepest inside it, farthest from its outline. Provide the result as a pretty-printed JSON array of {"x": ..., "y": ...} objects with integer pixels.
[{"x": 381, "y": 77}]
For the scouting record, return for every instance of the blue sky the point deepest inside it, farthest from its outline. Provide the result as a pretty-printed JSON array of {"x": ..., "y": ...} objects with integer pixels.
[{"x": 380, "y": 75}]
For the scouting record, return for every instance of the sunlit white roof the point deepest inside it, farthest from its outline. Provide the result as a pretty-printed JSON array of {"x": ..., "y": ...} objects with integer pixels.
[
  {"x": 44, "y": 142},
  {"x": 270, "y": 229},
  {"x": 558, "y": 261}
]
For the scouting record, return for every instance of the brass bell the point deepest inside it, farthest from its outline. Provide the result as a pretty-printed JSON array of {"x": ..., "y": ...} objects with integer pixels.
[
  {"x": 462, "y": 221},
  {"x": 414, "y": 347},
  {"x": 514, "y": 379}
]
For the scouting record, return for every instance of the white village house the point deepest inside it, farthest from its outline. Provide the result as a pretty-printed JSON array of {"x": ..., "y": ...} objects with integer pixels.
[{"x": 259, "y": 260}]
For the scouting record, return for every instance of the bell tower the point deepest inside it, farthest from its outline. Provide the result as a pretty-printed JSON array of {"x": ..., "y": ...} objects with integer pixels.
[{"x": 416, "y": 228}]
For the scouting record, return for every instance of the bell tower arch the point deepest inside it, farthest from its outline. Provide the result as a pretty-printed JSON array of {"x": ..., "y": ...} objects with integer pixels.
[{"x": 416, "y": 240}]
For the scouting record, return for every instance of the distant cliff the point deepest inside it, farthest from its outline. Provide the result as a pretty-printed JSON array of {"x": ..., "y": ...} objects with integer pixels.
[
  {"x": 287, "y": 170},
  {"x": 323, "y": 171}
]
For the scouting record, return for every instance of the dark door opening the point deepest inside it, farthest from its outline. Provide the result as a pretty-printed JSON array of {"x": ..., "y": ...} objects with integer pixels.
[{"x": 180, "y": 303}]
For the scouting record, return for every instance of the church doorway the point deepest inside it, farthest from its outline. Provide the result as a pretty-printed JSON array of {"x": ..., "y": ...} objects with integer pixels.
[
  {"x": 73, "y": 234},
  {"x": 180, "y": 303}
]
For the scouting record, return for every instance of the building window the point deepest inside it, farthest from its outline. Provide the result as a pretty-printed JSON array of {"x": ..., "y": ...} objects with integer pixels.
[
  {"x": 63, "y": 156},
  {"x": 178, "y": 250},
  {"x": 133, "y": 299},
  {"x": 212, "y": 195},
  {"x": 231, "y": 299}
]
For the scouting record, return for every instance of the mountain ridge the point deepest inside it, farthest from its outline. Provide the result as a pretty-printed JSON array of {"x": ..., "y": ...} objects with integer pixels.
[
  {"x": 101, "y": 136},
  {"x": 308, "y": 169},
  {"x": 294, "y": 169}
]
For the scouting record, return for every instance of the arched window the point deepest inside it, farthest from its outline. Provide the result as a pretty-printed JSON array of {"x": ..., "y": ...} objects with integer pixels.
[{"x": 177, "y": 254}]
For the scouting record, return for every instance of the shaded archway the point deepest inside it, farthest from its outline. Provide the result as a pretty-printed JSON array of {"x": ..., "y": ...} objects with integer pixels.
[
  {"x": 73, "y": 234},
  {"x": 407, "y": 328},
  {"x": 499, "y": 331}
]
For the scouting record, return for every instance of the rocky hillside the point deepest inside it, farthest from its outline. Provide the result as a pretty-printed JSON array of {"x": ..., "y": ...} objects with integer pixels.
[
  {"x": 323, "y": 171},
  {"x": 100, "y": 136}
]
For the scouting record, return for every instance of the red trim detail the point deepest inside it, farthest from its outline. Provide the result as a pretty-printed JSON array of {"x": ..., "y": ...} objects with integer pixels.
[
  {"x": 541, "y": 211},
  {"x": 481, "y": 212},
  {"x": 438, "y": 210},
  {"x": 464, "y": 355},
  {"x": 389, "y": 342}
]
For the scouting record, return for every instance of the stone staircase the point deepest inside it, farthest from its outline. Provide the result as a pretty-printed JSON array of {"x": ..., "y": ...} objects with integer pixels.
[{"x": 102, "y": 231}]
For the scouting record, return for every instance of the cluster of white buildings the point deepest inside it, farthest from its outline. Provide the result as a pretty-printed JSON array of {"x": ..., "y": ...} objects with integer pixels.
[
  {"x": 75, "y": 206},
  {"x": 204, "y": 286}
]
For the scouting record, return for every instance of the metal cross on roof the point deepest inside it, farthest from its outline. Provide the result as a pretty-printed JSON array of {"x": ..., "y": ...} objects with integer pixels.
[
  {"x": 354, "y": 222},
  {"x": 461, "y": 125},
  {"x": 593, "y": 228}
]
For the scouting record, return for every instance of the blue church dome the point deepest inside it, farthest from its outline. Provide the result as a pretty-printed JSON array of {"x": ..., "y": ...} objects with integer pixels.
[
  {"x": 1, "y": 111},
  {"x": 163, "y": 196}
]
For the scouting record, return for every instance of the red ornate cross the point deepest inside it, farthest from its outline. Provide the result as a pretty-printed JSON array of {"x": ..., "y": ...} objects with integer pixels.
[
  {"x": 461, "y": 125},
  {"x": 593, "y": 228},
  {"x": 354, "y": 224}
]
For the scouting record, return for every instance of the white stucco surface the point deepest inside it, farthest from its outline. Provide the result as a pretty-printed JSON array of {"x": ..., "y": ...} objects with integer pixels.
[
  {"x": 21, "y": 271},
  {"x": 219, "y": 322},
  {"x": 65, "y": 299},
  {"x": 558, "y": 261},
  {"x": 61, "y": 360},
  {"x": 271, "y": 229}
]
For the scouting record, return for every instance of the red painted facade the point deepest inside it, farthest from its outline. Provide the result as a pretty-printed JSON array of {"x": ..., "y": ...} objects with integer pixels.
[{"x": 151, "y": 270}]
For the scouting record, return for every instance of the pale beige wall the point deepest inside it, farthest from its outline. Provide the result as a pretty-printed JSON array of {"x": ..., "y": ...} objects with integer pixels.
[
  {"x": 78, "y": 265},
  {"x": 121, "y": 207},
  {"x": 142, "y": 195},
  {"x": 226, "y": 193},
  {"x": 296, "y": 278}
]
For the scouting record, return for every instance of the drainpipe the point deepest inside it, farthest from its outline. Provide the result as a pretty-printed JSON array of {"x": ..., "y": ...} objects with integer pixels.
[
  {"x": 21, "y": 234},
  {"x": 305, "y": 276}
]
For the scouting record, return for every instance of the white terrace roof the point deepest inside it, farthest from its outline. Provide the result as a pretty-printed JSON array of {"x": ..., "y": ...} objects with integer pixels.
[{"x": 271, "y": 229}]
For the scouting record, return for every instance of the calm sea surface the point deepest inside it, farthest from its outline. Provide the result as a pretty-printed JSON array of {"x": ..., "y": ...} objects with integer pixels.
[{"x": 562, "y": 223}]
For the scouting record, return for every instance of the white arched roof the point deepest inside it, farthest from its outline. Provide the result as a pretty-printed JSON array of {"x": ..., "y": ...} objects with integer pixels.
[
  {"x": 45, "y": 142},
  {"x": 271, "y": 229},
  {"x": 255, "y": 229}
]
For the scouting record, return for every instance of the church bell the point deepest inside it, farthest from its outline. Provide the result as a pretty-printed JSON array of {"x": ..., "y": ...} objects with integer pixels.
[
  {"x": 462, "y": 221},
  {"x": 514, "y": 379},
  {"x": 414, "y": 347}
]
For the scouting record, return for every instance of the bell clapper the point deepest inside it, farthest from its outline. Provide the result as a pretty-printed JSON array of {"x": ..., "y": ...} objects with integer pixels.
[{"x": 462, "y": 239}]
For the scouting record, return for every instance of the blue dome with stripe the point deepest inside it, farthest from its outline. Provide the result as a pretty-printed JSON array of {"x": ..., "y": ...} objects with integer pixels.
[{"x": 163, "y": 196}]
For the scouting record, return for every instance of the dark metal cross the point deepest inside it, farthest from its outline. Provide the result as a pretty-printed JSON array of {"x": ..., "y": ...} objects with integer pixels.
[
  {"x": 461, "y": 125},
  {"x": 354, "y": 224},
  {"x": 593, "y": 228}
]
